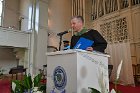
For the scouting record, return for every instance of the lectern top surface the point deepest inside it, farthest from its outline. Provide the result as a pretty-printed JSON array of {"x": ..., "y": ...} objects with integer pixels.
[{"x": 70, "y": 51}]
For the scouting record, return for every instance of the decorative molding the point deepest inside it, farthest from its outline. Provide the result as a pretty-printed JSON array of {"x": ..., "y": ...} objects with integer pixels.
[{"x": 115, "y": 31}]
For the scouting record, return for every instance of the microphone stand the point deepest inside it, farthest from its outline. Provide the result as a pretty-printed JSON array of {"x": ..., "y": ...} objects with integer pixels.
[
  {"x": 60, "y": 42},
  {"x": 61, "y": 34}
]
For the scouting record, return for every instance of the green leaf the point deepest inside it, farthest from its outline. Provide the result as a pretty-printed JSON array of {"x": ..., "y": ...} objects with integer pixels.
[
  {"x": 94, "y": 90},
  {"x": 28, "y": 82},
  {"x": 42, "y": 87},
  {"x": 19, "y": 86},
  {"x": 37, "y": 80}
]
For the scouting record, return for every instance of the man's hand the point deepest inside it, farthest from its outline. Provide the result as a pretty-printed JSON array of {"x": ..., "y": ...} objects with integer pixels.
[{"x": 89, "y": 49}]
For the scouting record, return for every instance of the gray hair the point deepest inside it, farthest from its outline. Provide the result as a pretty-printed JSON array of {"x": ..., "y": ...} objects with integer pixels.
[{"x": 79, "y": 18}]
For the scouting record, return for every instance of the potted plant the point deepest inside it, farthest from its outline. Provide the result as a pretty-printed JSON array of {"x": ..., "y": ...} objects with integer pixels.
[{"x": 29, "y": 85}]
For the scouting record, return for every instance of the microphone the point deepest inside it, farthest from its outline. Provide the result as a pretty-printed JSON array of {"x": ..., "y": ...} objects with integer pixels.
[{"x": 65, "y": 32}]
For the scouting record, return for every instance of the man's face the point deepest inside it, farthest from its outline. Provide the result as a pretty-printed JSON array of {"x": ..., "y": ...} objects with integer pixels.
[{"x": 76, "y": 25}]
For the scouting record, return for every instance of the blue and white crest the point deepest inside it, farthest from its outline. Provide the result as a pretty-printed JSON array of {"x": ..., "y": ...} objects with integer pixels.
[{"x": 60, "y": 78}]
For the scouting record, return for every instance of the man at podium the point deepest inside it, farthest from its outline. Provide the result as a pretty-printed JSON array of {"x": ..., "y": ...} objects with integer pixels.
[{"x": 86, "y": 39}]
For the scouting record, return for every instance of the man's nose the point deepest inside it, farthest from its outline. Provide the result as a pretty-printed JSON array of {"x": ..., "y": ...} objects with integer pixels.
[{"x": 72, "y": 25}]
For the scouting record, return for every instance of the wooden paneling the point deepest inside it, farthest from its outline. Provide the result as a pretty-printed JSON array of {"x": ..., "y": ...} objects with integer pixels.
[
  {"x": 136, "y": 21},
  {"x": 138, "y": 53}
]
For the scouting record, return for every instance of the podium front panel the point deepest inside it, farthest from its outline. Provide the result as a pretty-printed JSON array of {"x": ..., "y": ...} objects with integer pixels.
[
  {"x": 64, "y": 68},
  {"x": 92, "y": 71},
  {"x": 74, "y": 72}
]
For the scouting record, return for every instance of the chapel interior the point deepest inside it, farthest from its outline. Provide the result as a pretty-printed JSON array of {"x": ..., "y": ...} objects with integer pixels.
[{"x": 28, "y": 30}]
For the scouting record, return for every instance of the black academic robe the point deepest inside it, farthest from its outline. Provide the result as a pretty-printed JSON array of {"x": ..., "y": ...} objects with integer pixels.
[{"x": 99, "y": 44}]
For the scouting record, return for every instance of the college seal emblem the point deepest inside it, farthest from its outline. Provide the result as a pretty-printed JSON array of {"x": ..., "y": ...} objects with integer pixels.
[{"x": 59, "y": 78}]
